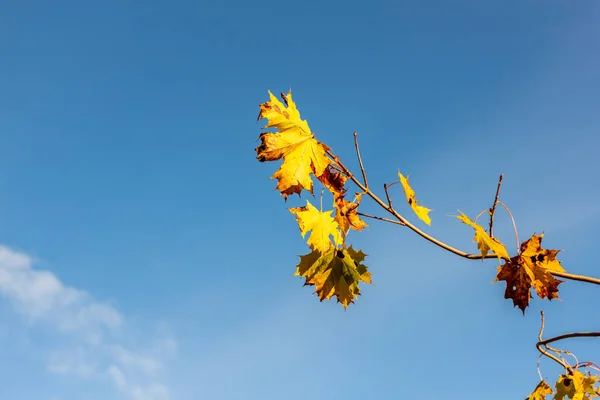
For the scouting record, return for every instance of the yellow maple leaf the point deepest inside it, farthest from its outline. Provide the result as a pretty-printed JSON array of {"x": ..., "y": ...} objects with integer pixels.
[
  {"x": 322, "y": 225},
  {"x": 540, "y": 392},
  {"x": 484, "y": 242},
  {"x": 337, "y": 272},
  {"x": 420, "y": 211},
  {"x": 576, "y": 386},
  {"x": 302, "y": 154},
  {"x": 531, "y": 267}
]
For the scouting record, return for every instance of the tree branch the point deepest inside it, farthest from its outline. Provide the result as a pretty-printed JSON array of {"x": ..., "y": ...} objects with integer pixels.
[
  {"x": 391, "y": 210},
  {"x": 403, "y": 221},
  {"x": 568, "y": 336},
  {"x": 573, "y": 277},
  {"x": 541, "y": 343}
]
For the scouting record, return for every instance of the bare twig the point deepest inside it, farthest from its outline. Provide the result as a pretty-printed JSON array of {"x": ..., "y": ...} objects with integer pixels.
[
  {"x": 493, "y": 208},
  {"x": 538, "y": 367},
  {"x": 387, "y": 195},
  {"x": 568, "y": 336},
  {"x": 541, "y": 343},
  {"x": 362, "y": 168},
  {"x": 381, "y": 218},
  {"x": 514, "y": 224},
  {"x": 400, "y": 218},
  {"x": 587, "y": 364},
  {"x": 439, "y": 243}
]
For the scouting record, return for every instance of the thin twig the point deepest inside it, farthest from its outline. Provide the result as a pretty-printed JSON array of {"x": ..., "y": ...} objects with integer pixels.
[
  {"x": 493, "y": 209},
  {"x": 362, "y": 168},
  {"x": 439, "y": 243},
  {"x": 381, "y": 218},
  {"x": 587, "y": 364},
  {"x": 558, "y": 352},
  {"x": 568, "y": 336},
  {"x": 514, "y": 224},
  {"x": 540, "y": 343},
  {"x": 387, "y": 195},
  {"x": 400, "y": 218},
  {"x": 538, "y": 367}
]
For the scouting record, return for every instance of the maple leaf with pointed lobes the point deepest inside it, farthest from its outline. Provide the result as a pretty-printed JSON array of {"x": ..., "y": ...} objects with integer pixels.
[
  {"x": 321, "y": 224},
  {"x": 302, "y": 154},
  {"x": 336, "y": 272},
  {"x": 420, "y": 211},
  {"x": 484, "y": 242},
  {"x": 540, "y": 392},
  {"x": 576, "y": 386},
  {"x": 531, "y": 267}
]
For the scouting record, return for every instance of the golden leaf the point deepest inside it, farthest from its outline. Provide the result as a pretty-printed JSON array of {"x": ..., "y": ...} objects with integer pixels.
[
  {"x": 576, "y": 386},
  {"x": 420, "y": 211},
  {"x": 540, "y": 392},
  {"x": 531, "y": 267},
  {"x": 302, "y": 154},
  {"x": 336, "y": 272},
  {"x": 321, "y": 224},
  {"x": 484, "y": 242}
]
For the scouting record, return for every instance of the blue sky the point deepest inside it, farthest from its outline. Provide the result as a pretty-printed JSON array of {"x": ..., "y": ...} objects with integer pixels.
[{"x": 145, "y": 254}]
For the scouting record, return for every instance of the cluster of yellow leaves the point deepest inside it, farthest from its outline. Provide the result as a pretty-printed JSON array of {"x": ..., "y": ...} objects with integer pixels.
[
  {"x": 572, "y": 386},
  {"x": 334, "y": 269},
  {"x": 531, "y": 267}
]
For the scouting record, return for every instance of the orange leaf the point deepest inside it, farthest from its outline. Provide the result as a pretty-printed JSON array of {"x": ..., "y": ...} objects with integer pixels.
[{"x": 531, "y": 267}]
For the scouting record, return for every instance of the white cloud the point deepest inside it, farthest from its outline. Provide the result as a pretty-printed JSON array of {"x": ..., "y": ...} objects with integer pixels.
[{"x": 90, "y": 328}]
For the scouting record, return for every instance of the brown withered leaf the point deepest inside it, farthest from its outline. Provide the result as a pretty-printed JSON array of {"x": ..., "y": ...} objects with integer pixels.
[
  {"x": 531, "y": 267},
  {"x": 346, "y": 214},
  {"x": 334, "y": 181}
]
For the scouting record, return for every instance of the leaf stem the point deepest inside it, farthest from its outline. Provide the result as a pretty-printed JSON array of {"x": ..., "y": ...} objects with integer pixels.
[
  {"x": 380, "y": 218},
  {"x": 513, "y": 223}
]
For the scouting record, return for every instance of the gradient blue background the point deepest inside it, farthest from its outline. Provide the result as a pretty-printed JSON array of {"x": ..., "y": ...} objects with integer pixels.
[{"x": 127, "y": 171}]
